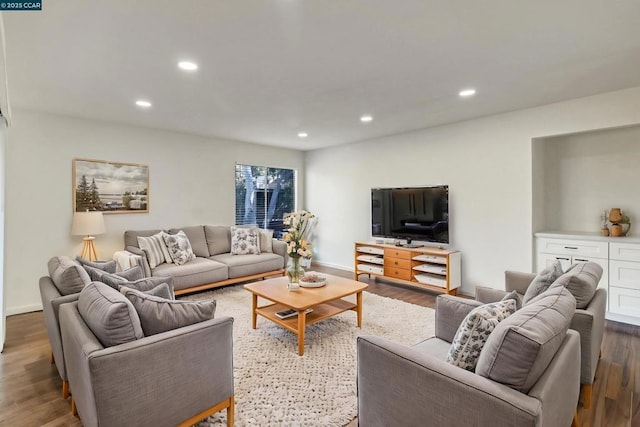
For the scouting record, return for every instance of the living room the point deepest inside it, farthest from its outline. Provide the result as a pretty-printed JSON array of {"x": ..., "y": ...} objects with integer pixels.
[{"x": 488, "y": 154}]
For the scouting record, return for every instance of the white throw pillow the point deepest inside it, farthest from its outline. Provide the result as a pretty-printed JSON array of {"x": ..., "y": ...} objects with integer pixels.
[
  {"x": 179, "y": 247},
  {"x": 266, "y": 240},
  {"x": 474, "y": 331},
  {"x": 244, "y": 241},
  {"x": 155, "y": 248}
]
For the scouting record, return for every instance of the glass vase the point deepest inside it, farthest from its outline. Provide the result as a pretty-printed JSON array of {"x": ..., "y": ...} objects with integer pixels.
[{"x": 294, "y": 273}]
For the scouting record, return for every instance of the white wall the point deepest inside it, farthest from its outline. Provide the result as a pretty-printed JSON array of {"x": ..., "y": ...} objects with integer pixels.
[
  {"x": 487, "y": 164},
  {"x": 587, "y": 173},
  {"x": 191, "y": 182}
]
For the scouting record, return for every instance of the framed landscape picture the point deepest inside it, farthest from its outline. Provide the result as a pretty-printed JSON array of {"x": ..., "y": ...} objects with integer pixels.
[{"x": 110, "y": 187}]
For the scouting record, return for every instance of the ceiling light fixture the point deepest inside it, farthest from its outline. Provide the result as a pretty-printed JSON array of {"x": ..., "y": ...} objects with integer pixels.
[
  {"x": 143, "y": 103},
  {"x": 366, "y": 119},
  {"x": 467, "y": 92},
  {"x": 302, "y": 134},
  {"x": 187, "y": 66}
]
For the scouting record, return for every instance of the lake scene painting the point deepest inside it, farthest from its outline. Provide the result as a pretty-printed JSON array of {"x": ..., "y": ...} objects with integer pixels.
[{"x": 110, "y": 187}]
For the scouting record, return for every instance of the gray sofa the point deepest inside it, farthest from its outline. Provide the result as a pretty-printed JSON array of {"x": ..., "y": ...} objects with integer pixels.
[
  {"x": 412, "y": 386},
  {"x": 214, "y": 264},
  {"x": 141, "y": 383},
  {"x": 588, "y": 321}
]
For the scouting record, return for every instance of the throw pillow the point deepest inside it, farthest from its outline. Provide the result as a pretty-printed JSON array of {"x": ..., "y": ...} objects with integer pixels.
[
  {"x": 179, "y": 248},
  {"x": 110, "y": 316},
  {"x": 160, "y": 315},
  {"x": 266, "y": 240},
  {"x": 155, "y": 248},
  {"x": 131, "y": 274},
  {"x": 244, "y": 241},
  {"x": 513, "y": 295},
  {"x": 581, "y": 279},
  {"x": 160, "y": 291},
  {"x": 542, "y": 281},
  {"x": 95, "y": 274},
  {"x": 142, "y": 285},
  {"x": 474, "y": 332},
  {"x": 108, "y": 266},
  {"x": 521, "y": 347},
  {"x": 67, "y": 275}
]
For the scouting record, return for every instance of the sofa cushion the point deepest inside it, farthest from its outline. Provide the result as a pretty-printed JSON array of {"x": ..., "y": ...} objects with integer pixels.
[
  {"x": 520, "y": 348},
  {"x": 197, "y": 239},
  {"x": 108, "y": 266},
  {"x": 179, "y": 248},
  {"x": 218, "y": 239},
  {"x": 160, "y": 315},
  {"x": 581, "y": 279},
  {"x": 474, "y": 331},
  {"x": 434, "y": 347},
  {"x": 131, "y": 236},
  {"x": 542, "y": 281},
  {"x": 247, "y": 265},
  {"x": 68, "y": 276},
  {"x": 197, "y": 272},
  {"x": 155, "y": 248},
  {"x": 244, "y": 241},
  {"x": 266, "y": 240},
  {"x": 110, "y": 316}
]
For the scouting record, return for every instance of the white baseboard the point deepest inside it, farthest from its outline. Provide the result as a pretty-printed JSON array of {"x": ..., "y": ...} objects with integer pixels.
[
  {"x": 336, "y": 266},
  {"x": 23, "y": 309}
]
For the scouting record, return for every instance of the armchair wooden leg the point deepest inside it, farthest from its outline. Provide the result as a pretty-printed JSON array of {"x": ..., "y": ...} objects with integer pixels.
[
  {"x": 74, "y": 410},
  {"x": 229, "y": 404},
  {"x": 65, "y": 389},
  {"x": 575, "y": 422},
  {"x": 231, "y": 412},
  {"x": 586, "y": 390}
]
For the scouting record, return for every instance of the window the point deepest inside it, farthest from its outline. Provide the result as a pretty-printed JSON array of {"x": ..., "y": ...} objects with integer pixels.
[{"x": 264, "y": 195}]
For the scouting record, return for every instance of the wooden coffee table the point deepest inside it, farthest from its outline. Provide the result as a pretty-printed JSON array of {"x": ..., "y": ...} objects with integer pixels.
[{"x": 326, "y": 302}]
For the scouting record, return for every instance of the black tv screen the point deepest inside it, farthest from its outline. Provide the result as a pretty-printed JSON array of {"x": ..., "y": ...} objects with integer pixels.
[{"x": 415, "y": 213}]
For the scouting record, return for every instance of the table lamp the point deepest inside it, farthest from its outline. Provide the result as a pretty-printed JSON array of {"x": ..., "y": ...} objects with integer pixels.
[{"x": 88, "y": 224}]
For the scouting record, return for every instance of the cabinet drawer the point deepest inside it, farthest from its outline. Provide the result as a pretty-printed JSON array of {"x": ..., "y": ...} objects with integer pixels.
[
  {"x": 397, "y": 253},
  {"x": 624, "y": 301},
  {"x": 625, "y": 251},
  {"x": 397, "y": 263},
  {"x": 397, "y": 273},
  {"x": 585, "y": 248},
  {"x": 624, "y": 274}
]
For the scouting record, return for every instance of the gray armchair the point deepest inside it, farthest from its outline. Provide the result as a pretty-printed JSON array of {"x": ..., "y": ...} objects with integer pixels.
[
  {"x": 589, "y": 322},
  {"x": 414, "y": 386},
  {"x": 177, "y": 377}
]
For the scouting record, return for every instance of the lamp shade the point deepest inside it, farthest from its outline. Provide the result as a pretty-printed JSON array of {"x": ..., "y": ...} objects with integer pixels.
[{"x": 87, "y": 224}]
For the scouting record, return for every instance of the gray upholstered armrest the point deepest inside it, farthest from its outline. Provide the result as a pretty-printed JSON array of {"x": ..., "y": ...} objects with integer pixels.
[
  {"x": 487, "y": 295},
  {"x": 398, "y": 386},
  {"x": 157, "y": 380},
  {"x": 589, "y": 322},
  {"x": 517, "y": 281},
  {"x": 145, "y": 261},
  {"x": 450, "y": 312},
  {"x": 280, "y": 248}
]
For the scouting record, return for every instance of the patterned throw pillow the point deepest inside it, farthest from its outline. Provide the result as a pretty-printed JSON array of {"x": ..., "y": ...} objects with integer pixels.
[
  {"x": 474, "y": 332},
  {"x": 155, "y": 248},
  {"x": 245, "y": 241},
  {"x": 542, "y": 281},
  {"x": 179, "y": 248}
]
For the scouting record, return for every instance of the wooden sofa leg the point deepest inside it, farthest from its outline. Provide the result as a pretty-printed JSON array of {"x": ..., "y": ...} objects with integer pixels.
[
  {"x": 65, "y": 389},
  {"x": 586, "y": 390},
  {"x": 575, "y": 422},
  {"x": 74, "y": 410},
  {"x": 231, "y": 412}
]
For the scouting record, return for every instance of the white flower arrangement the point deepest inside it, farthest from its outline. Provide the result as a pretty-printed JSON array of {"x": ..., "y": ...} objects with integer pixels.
[{"x": 298, "y": 223}]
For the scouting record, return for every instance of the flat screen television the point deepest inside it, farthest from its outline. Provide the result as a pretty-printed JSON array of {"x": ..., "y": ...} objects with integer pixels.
[{"x": 411, "y": 213}]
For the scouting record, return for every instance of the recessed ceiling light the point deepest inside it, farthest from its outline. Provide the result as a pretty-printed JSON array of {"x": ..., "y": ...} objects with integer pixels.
[
  {"x": 302, "y": 134},
  {"x": 366, "y": 119},
  {"x": 143, "y": 103},
  {"x": 188, "y": 66},
  {"x": 467, "y": 92}
]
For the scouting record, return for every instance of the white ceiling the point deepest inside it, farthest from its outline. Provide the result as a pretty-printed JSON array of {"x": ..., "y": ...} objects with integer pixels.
[{"x": 272, "y": 68}]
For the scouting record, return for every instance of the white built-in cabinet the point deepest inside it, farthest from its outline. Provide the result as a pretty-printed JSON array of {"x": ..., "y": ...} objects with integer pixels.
[{"x": 619, "y": 258}]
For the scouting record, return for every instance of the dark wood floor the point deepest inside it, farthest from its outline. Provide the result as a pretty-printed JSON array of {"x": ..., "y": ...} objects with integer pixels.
[{"x": 30, "y": 388}]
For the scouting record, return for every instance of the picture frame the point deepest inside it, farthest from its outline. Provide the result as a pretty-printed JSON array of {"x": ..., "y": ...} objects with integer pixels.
[{"x": 110, "y": 187}]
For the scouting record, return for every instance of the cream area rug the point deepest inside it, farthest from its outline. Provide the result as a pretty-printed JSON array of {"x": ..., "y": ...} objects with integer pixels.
[{"x": 276, "y": 387}]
